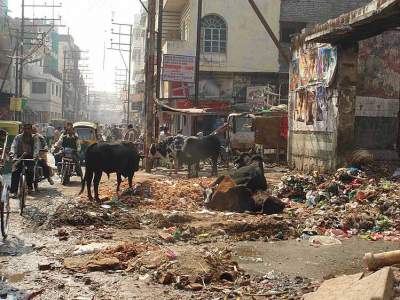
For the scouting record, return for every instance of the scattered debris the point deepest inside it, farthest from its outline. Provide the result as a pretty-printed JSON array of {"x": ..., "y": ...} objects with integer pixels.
[
  {"x": 90, "y": 248},
  {"x": 88, "y": 213},
  {"x": 110, "y": 258},
  {"x": 46, "y": 266},
  {"x": 349, "y": 201},
  {"x": 321, "y": 240}
]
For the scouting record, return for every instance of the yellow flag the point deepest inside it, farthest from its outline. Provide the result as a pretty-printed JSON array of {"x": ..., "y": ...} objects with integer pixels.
[{"x": 15, "y": 104}]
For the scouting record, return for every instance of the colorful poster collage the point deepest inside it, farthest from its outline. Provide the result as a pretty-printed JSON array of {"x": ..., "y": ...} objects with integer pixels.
[{"x": 311, "y": 73}]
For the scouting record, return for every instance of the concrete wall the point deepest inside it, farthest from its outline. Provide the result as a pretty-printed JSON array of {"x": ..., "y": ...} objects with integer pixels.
[
  {"x": 378, "y": 94},
  {"x": 362, "y": 105}
]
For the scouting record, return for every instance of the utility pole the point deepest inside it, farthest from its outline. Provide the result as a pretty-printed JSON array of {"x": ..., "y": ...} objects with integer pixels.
[
  {"x": 198, "y": 49},
  {"x": 75, "y": 74},
  {"x": 121, "y": 47},
  {"x": 63, "y": 85},
  {"x": 17, "y": 72},
  {"x": 21, "y": 61},
  {"x": 159, "y": 44},
  {"x": 197, "y": 66},
  {"x": 149, "y": 128},
  {"x": 129, "y": 78},
  {"x": 30, "y": 22}
]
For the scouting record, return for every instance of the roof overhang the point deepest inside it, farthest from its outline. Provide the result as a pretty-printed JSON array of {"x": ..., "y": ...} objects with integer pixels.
[
  {"x": 370, "y": 20},
  {"x": 190, "y": 111}
]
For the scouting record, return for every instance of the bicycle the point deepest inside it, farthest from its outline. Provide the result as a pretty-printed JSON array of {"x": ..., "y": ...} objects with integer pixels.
[
  {"x": 22, "y": 185},
  {"x": 4, "y": 207},
  {"x": 4, "y": 197}
]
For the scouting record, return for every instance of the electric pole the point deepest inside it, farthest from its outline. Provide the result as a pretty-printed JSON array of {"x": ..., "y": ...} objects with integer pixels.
[
  {"x": 21, "y": 51},
  {"x": 31, "y": 23},
  {"x": 72, "y": 70},
  {"x": 121, "y": 46},
  {"x": 149, "y": 115},
  {"x": 197, "y": 66}
]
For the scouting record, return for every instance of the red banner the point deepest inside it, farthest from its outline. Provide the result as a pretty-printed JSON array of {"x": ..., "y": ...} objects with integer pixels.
[{"x": 216, "y": 105}]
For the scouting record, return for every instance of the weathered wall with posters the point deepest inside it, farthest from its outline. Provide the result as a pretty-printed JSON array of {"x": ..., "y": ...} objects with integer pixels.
[
  {"x": 339, "y": 106},
  {"x": 378, "y": 92},
  {"x": 312, "y": 107}
]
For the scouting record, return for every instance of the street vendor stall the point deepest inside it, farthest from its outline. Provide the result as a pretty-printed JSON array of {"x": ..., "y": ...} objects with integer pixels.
[{"x": 265, "y": 130}]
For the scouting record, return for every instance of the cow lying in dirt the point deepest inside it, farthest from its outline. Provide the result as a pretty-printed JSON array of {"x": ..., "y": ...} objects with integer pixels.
[
  {"x": 121, "y": 158},
  {"x": 235, "y": 192}
]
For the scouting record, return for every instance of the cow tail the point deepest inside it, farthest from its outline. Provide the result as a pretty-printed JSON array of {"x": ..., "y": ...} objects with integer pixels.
[{"x": 83, "y": 181}]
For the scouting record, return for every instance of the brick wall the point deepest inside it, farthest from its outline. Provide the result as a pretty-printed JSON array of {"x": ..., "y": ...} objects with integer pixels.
[{"x": 316, "y": 11}]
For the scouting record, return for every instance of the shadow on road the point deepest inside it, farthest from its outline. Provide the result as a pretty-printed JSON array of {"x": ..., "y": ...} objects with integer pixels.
[
  {"x": 8, "y": 291},
  {"x": 14, "y": 246}
]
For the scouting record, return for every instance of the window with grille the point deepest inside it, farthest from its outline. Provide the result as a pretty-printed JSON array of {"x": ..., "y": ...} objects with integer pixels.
[
  {"x": 39, "y": 87},
  {"x": 214, "y": 34}
]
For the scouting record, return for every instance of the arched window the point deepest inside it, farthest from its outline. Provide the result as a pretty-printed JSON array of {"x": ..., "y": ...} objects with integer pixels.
[{"x": 214, "y": 34}]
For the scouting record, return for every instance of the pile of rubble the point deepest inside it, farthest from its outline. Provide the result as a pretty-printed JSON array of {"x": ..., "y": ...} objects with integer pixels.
[
  {"x": 101, "y": 257},
  {"x": 204, "y": 270},
  {"x": 160, "y": 194},
  {"x": 345, "y": 204},
  {"x": 83, "y": 213}
]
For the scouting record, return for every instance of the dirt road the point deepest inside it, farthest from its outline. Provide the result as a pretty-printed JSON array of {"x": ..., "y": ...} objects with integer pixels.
[{"x": 159, "y": 253}]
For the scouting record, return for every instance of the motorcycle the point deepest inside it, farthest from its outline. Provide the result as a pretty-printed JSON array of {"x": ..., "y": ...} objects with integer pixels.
[{"x": 67, "y": 166}]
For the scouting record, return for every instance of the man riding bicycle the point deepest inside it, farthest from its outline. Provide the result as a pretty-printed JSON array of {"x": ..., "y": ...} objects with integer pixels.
[
  {"x": 24, "y": 146},
  {"x": 69, "y": 139}
]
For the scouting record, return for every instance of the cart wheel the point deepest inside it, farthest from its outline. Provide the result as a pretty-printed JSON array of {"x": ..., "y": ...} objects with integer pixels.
[
  {"x": 64, "y": 175},
  {"x": 5, "y": 211},
  {"x": 36, "y": 186},
  {"x": 22, "y": 191}
]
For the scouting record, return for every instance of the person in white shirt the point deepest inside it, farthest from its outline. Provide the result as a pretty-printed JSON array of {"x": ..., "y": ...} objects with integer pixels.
[{"x": 50, "y": 132}]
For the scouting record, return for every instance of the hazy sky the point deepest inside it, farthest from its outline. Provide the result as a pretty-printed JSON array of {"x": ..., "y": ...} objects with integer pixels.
[{"x": 89, "y": 22}]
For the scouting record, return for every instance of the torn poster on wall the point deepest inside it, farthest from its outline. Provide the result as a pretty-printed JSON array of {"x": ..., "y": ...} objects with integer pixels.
[
  {"x": 314, "y": 66},
  {"x": 311, "y": 73},
  {"x": 311, "y": 109}
]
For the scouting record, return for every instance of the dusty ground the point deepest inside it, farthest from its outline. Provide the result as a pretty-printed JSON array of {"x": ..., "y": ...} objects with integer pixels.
[{"x": 168, "y": 249}]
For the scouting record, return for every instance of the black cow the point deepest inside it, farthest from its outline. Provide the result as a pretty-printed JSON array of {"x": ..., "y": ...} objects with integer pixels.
[
  {"x": 121, "y": 158},
  {"x": 196, "y": 149},
  {"x": 252, "y": 175}
]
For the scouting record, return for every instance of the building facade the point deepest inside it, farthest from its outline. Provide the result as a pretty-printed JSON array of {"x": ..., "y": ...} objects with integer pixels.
[
  {"x": 240, "y": 66},
  {"x": 138, "y": 65}
]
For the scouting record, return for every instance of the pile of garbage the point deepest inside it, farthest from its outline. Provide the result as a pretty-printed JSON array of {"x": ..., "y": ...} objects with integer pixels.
[
  {"x": 102, "y": 257},
  {"x": 189, "y": 268},
  {"x": 345, "y": 204},
  {"x": 161, "y": 194},
  {"x": 84, "y": 213}
]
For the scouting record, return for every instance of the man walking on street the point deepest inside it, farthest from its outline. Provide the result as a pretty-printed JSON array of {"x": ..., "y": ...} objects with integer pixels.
[{"x": 131, "y": 134}]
